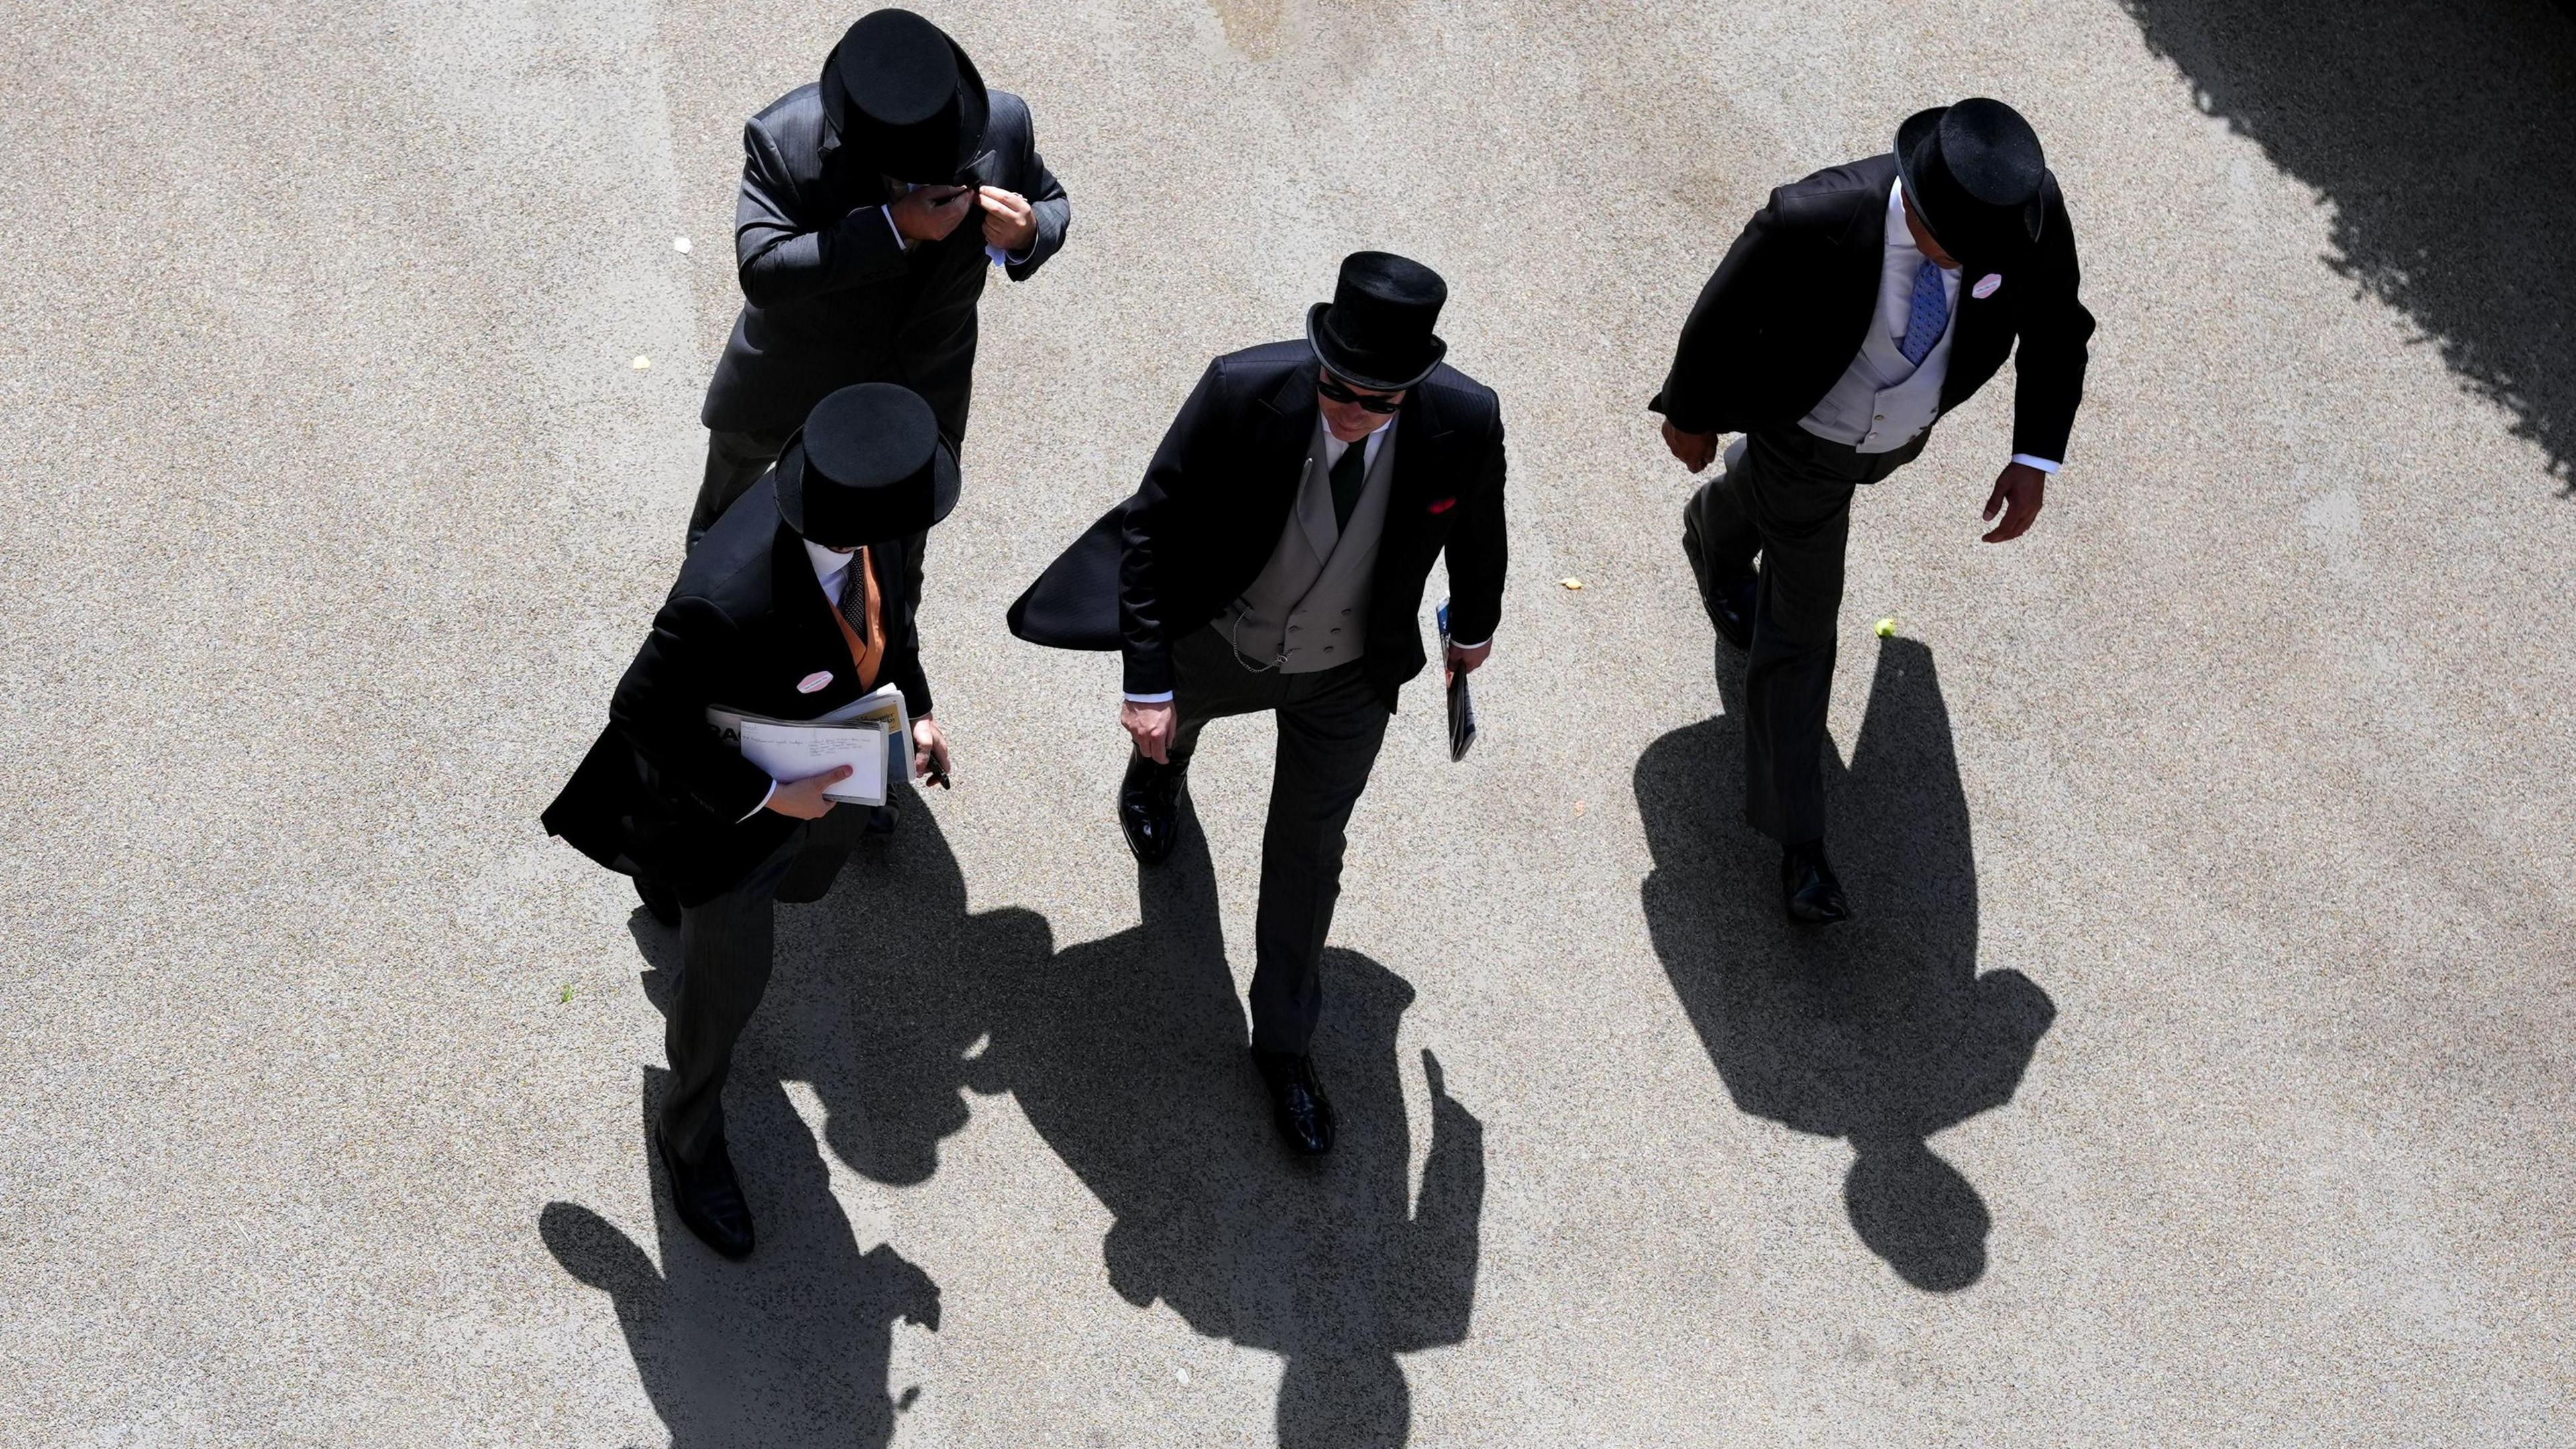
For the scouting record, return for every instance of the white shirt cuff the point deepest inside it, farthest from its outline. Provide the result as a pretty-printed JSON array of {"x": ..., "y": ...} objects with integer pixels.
[
  {"x": 888, "y": 213},
  {"x": 1479, "y": 644},
  {"x": 1163, "y": 698},
  {"x": 770, "y": 794},
  {"x": 1002, "y": 258},
  {"x": 2045, "y": 465}
]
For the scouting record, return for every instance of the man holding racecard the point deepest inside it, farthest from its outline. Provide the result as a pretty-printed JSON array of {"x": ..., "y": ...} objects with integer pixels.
[{"x": 791, "y": 608}]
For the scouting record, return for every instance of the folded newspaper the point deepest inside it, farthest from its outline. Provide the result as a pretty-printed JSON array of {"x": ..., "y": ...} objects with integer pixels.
[
  {"x": 871, "y": 734},
  {"x": 1462, "y": 702}
]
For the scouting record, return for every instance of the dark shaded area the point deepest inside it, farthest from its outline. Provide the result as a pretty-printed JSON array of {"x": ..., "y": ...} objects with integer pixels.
[
  {"x": 789, "y": 1347},
  {"x": 1879, "y": 1031},
  {"x": 2438, "y": 133},
  {"x": 1129, "y": 1055}
]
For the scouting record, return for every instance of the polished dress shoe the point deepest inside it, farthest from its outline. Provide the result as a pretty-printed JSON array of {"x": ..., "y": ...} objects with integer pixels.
[
  {"x": 1149, "y": 802},
  {"x": 709, "y": 1198},
  {"x": 1297, "y": 1102},
  {"x": 1808, "y": 886},
  {"x": 1727, "y": 597},
  {"x": 660, "y": 901},
  {"x": 1730, "y": 608}
]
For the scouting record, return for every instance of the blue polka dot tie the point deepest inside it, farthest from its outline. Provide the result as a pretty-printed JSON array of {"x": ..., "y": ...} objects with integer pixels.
[{"x": 1931, "y": 314}]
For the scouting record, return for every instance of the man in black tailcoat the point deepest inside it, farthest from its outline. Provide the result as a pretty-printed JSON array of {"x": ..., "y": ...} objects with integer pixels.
[
  {"x": 791, "y": 607},
  {"x": 859, "y": 242},
  {"x": 1274, "y": 561},
  {"x": 1860, "y": 306}
]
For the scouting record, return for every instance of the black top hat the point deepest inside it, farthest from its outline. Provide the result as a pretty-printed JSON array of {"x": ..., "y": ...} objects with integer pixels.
[
  {"x": 1976, "y": 176},
  {"x": 1376, "y": 332},
  {"x": 868, "y": 466},
  {"x": 899, "y": 92}
]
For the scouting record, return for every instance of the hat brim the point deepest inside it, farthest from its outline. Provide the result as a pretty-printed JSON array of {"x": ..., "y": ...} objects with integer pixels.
[
  {"x": 1359, "y": 374},
  {"x": 1983, "y": 236},
  {"x": 946, "y": 486}
]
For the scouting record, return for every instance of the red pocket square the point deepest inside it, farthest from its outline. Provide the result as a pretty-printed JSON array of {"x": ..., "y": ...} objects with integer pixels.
[{"x": 1444, "y": 505}]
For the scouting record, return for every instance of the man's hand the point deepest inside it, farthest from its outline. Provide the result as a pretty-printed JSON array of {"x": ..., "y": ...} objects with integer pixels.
[
  {"x": 1150, "y": 726},
  {"x": 1694, "y": 449},
  {"x": 803, "y": 799},
  {"x": 2017, "y": 494},
  {"x": 1009, "y": 221},
  {"x": 930, "y": 213},
  {"x": 930, "y": 750},
  {"x": 1464, "y": 661}
]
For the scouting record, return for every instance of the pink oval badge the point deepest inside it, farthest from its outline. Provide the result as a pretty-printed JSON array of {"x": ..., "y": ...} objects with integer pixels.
[
  {"x": 1986, "y": 284},
  {"x": 814, "y": 681}
]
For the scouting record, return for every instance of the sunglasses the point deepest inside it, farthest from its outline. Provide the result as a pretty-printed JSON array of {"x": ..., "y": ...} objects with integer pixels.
[{"x": 1380, "y": 403}]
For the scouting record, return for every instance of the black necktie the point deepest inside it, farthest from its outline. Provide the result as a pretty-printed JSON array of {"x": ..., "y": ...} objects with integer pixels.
[{"x": 1349, "y": 476}]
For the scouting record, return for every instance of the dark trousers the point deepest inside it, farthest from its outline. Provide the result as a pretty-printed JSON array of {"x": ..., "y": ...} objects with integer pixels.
[
  {"x": 1330, "y": 726},
  {"x": 735, "y": 461},
  {"x": 724, "y": 969},
  {"x": 1786, "y": 495}
]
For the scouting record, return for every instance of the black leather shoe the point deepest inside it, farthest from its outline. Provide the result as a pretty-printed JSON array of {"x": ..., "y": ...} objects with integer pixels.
[
  {"x": 660, "y": 901},
  {"x": 1809, "y": 887},
  {"x": 709, "y": 1198},
  {"x": 1149, "y": 808},
  {"x": 1297, "y": 1101},
  {"x": 1727, "y": 597},
  {"x": 1730, "y": 608}
]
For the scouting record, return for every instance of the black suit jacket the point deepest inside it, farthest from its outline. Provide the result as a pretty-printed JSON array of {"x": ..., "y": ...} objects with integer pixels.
[
  {"x": 1788, "y": 308},
  {"x": 660, "y": 795},
  {"x": 1220, "y": 491},
  {"x": 831, "y": 298}
]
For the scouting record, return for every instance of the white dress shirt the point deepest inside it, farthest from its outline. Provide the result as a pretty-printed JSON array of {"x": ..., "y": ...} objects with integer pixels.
[{"x": 1880, "y": 384}]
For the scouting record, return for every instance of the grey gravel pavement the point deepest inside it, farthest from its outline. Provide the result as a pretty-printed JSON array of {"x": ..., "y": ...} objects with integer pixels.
[{"x": 2199, "y": 1071}]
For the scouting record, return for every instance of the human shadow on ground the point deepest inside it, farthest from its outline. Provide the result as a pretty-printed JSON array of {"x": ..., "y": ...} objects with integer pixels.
[
  {"x": 876, "y": 993},
  {"x": 789, "y": 1347},
  {"x": 2437, "y": 132},
  {"x": 892, "y": 999},
  {"x": 1129, "y": 1056},
  {"x": 1879, "y": 1030}
]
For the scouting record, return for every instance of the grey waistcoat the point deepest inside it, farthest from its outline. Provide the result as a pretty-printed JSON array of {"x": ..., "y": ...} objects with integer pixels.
[{"x": 1308, "y": 609}]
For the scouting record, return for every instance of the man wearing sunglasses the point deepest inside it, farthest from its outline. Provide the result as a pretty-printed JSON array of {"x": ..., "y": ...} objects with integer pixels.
[
  {"x": 858, "y": 245},
  {"x": 1274, "y": 561}
]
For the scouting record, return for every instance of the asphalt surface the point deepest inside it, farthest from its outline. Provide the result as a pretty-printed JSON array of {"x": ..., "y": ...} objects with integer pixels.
[{"x": 2199, "y": 1070}]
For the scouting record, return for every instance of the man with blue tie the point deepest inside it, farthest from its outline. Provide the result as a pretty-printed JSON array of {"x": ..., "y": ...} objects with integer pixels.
[{"x": 1859, "y": 306}]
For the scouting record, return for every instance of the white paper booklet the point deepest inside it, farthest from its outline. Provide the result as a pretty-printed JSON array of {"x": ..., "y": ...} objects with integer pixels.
[
  {"x": 797, "y": 752},
  {"x": 834, "y": 738}
]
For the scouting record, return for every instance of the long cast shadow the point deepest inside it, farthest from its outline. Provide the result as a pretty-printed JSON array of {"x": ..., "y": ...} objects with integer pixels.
[
  {"x": 788, "y": 1348},
  {"x": 1880, "y": 1030},
  {"x": 2436, "y": 130},
  {"x": 893, "y": 1000},
  {"x": 1129, "y": 1056},
  {"x": 877, "y": 994}
]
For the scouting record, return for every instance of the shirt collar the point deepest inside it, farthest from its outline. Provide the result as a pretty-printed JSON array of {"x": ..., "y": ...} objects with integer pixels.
[
  {"x": 828, "y": 566},
  {"x": 1898, "y": 233},
  {"x": 1334, "y": 446}
]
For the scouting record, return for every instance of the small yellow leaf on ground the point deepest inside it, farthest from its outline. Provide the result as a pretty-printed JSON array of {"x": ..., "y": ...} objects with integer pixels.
[
  {"x": 642, "y": 363},
  {"x": 1887, "y": 628},
  {"x": 1571, "y": 583}
]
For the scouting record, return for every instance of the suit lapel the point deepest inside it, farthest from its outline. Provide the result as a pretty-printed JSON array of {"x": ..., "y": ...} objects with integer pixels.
[
  {"x": 1421, "y": 478},
  {"x": 1283, "y": 437},
  {"x": 809, "y": 632}
]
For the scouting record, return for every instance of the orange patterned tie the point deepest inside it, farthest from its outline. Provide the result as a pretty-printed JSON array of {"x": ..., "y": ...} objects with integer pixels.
[{"x": 862, "y": 619}]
